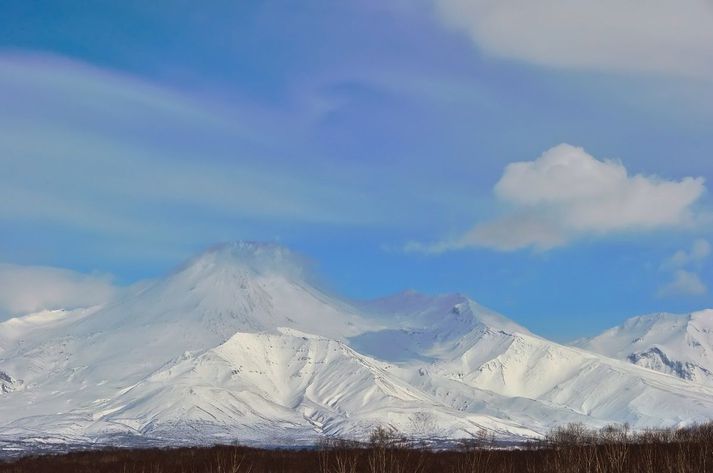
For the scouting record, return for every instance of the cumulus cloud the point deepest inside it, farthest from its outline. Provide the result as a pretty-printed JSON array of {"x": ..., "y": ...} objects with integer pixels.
[
  {"x": 684, "y": 283},
  {"x": 566, "y": 194},
  {"x": 25, "y": 289},
  {"x": 662, "y": 36}
]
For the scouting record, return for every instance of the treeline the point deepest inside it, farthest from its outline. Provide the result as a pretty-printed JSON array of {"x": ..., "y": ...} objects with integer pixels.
[{"x": 570, "y": 449}]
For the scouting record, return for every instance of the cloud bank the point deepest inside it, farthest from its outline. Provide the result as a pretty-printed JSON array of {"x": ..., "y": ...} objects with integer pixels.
[
  {"x": 567, "y": 194},
  {"x": 662, "y": 36},
  {"x": 25, "y": 289}
]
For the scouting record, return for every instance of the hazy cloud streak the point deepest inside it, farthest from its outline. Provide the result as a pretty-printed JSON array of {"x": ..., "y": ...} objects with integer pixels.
[{"x": 106, "y": 152}]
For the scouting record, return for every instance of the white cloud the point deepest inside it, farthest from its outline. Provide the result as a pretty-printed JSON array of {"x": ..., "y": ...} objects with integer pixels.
[
  {"x": 664, "y": 36},
  {"x": 566, "y": 194},
  {"x": 25, "y": 289},
  {"x": 684, "y": 283},
  {"x": 700, "y": 250}
]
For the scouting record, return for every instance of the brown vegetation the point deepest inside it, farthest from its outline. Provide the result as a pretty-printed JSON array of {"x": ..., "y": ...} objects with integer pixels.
[{"x": 570, "y": 449}]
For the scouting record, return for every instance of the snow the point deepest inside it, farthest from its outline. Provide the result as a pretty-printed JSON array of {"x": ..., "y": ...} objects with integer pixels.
[
  {"x": 239, "y": 344},
  {"x": 679, "y": 345},
  {"x": 425, "y": 328}
]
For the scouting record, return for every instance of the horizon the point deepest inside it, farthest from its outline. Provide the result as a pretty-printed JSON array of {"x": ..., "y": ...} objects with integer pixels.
[{"x": 410, "y": 145}]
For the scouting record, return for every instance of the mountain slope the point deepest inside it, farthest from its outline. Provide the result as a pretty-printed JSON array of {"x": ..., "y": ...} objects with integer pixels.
[
  {"x": 302, "y": 384},
  {"x": 475, "y": 360},
  {"x": 287, "y": 387},
  {"x": 603, "y": 389},
  {"x": 679, "y": 345}
]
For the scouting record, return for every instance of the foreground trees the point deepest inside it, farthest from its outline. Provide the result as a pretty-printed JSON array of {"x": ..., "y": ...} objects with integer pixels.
[{"x": 569, "y": 449}]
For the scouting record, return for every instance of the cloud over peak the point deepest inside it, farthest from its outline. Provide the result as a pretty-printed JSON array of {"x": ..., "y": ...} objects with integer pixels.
[
  {"x": 566, "y": 194},
  {"x": 25, "y": 289}
]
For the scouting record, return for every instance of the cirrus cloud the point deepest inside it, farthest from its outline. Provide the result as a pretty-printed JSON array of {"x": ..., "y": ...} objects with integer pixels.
[{"x": 566, "y": 194}]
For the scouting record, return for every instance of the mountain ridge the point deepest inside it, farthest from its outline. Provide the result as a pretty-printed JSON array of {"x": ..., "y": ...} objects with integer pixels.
[{"x": 676, "y": 344}]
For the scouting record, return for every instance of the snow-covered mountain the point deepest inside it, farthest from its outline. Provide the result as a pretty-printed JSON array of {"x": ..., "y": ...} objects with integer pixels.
[
  {"x": 239, "y": 345},
  {"x": 680, "y": 345},
  {"x": 479, "y": 361},
  {"x": 426, "y": 328}
]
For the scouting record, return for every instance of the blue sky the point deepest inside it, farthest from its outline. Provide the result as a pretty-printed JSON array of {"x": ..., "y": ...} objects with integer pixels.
[{"x": 375, "y": 137}]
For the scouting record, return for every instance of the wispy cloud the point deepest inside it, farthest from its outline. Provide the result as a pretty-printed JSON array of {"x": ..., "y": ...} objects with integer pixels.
[
  {"x": 664, "y": 36},
  {"x": 107, "y": 152},
  {"x": 684, "y": 267},
  {"x": 567, "y": 194},
  {"x": 699, "y": 252},
  {"x": 684, "y": 283}
]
